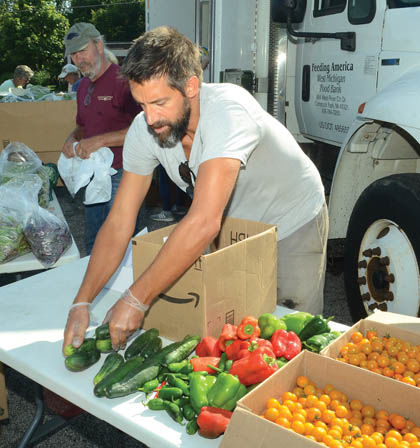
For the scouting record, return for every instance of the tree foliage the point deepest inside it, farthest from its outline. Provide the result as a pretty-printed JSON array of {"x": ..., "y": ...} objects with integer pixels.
[
  {"x": 117, "y": 20},
  {"x": 32, "y": 33}
]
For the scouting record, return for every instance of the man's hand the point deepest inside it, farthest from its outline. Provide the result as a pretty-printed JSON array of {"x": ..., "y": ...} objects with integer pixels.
[
  {"x": 123, "y": 320},
  {"x": 67, "y": 149},
  {"x": 77, "y": 323},
  {"x": 87, "y": 146}
]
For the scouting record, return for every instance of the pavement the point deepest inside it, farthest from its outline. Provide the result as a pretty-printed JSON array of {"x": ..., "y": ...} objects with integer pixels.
[{"x": 86, "y": 430}]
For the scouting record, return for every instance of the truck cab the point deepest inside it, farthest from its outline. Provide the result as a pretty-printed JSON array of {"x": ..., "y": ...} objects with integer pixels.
[{"x": 342, "y": 75}]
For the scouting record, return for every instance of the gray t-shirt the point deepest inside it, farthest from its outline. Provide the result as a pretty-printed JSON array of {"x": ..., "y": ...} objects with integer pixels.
[{"x": 277, "y": 182}]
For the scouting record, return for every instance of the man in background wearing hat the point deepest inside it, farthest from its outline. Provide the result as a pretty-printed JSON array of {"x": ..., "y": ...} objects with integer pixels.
[
  {"x": 21, "y": 77},
  {"x": 70, "y": 74},
  {"x": 105, "y": 110}
]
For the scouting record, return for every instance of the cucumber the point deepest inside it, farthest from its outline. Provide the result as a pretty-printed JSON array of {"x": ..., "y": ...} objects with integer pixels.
[
  {"x": 141, "y": 342},
  {"x": 81, "y": 360},
  {"x": 104, "y": 345},
  {"x": 154, "y": 346},
  {"x": 133, "y": 380},
  {"x": 112, "y": 362},
  {"x": 117, "y": 375},
  {"x": 87, "y": 345},
  {"x": 102, "y": 332},
  {"x": 185, "y": 348}
]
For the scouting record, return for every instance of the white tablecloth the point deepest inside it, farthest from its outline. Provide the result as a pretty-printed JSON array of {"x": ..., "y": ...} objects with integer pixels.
[
  {"x": 33, "y": 315},
  {"x": 28, "y": 262}
]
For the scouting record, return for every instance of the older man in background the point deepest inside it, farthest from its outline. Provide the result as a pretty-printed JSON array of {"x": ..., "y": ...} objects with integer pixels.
[
  {"x": 105, "y": 110},
  {"x": 21, "y": 77}
]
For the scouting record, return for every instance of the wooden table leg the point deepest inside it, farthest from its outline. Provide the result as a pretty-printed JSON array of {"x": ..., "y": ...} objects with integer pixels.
[{"x": 3, "y": 394}]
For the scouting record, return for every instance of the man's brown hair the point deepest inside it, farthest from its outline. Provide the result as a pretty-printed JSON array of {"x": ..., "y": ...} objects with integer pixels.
[{"x": 163, "y": 51}]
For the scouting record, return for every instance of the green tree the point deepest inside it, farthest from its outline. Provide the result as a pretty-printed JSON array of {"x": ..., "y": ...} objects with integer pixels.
[
  {"x": 120, "y": 23},
  {"x": 117, "y": 20},
  {"x": 32, "y": 33}
]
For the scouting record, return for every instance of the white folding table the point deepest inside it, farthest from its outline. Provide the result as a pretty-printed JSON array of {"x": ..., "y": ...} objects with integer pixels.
[{"x": 32, "y": 319}]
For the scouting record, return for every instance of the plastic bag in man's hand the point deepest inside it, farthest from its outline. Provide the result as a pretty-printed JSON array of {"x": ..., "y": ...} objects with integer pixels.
[{"x": 94, "y": 172}]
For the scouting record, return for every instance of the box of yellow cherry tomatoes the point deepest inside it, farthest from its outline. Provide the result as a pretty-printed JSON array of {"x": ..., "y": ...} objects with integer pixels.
[
  {"x": 385, "y": 343},
  {"x": 319, "y": 401}
]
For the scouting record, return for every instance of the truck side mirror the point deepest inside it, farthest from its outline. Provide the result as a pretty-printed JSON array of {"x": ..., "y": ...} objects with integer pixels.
[{"x": 280, "y": 9}]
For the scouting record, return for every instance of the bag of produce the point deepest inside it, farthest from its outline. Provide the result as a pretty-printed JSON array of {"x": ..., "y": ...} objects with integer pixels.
[
  {"x": 12, "y": 210},
  {"x": 17, "y": 160},
  {"x": 48, "y": 236},
  {"x": 12, "y": 240}
]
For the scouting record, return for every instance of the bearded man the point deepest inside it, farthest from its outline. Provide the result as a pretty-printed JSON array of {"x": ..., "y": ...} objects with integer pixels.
[
  {"x": 220, "y": 146},
  {"x": 105, "y": 110}
]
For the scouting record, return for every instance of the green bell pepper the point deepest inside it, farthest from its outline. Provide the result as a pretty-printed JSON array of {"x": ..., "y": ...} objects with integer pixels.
[
  {"x": 231, "y": 404},
  {"x": 320, "y": 341},
  {"x": 317, "y": 325},
  {"x": 224, "y": 391},
  {"x": 268, "y": 324},
  {"x": 199, "y": 387},
  {"x": 296, "y": 321}
]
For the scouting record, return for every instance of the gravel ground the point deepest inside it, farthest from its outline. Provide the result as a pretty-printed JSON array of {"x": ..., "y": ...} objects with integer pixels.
[{"x": 86, "y": 430}]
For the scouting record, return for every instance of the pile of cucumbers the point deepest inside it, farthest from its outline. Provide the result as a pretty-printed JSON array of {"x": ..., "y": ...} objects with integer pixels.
[{"x": 142, "y": 362}]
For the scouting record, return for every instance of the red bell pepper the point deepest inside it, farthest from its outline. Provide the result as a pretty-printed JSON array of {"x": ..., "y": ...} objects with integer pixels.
[
  {"x": 208, "y": 347},
  {"x": 248, "y": 328},
  {"x": 286, "y": 344},
  {"x": 228, "y": 334},
  {"x": 213, "y": 421},
  {"x": 241, "y": 349},
  {"x": 254, "y": 368},
  {"x": 262, "y": 346},
  {"x": 232, "y": 351},
  {"x": 202, "y": 364}
]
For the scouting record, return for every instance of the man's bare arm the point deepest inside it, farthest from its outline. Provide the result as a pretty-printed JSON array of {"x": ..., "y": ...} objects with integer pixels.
[
  {"x": 108, "y": 251},
  {"x": 215, "y": 182}
]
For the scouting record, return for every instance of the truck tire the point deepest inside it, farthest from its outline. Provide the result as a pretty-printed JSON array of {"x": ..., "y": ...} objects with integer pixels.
[{"x": 382, "y": 248}]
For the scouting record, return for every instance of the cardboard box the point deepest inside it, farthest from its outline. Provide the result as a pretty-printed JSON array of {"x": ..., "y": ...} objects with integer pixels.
[
  {"x": 397, "y": 325},
  {"x": 42, "y": 126},
  {"x": 3, "y": 394},
  {"x": 238, "y": 277},
  {"x": 408, "y": 323},
  {"x": 247, "y": 428}
]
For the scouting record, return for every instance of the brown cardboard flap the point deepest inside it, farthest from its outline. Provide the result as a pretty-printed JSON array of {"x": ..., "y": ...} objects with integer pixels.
[
  {"x": 234, "y": 230},
  {"x": 408, "y": 323},
  {"x": 42, "y": 126},
  {"x": 3, "y": 395}
]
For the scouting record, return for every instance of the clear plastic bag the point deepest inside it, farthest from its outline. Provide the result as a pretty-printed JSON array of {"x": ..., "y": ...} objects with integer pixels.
[
  {"x": 12, "y": 240},
  {"x": 48, "y": 236},
  {"x": 17, "y": 160},
  {"x": 13, "y": 196}
]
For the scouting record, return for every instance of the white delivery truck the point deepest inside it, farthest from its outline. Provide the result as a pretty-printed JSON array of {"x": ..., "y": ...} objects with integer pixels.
[{"x": 343, "y": 75}]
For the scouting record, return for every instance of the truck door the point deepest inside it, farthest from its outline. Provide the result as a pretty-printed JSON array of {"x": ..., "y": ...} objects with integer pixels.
[
  {"x": 331, "y": 83},
  {"x": 179, "y": 14}
]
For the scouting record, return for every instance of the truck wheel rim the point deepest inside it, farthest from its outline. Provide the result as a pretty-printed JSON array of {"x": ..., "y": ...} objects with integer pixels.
[{"x": 388, "y": 273}]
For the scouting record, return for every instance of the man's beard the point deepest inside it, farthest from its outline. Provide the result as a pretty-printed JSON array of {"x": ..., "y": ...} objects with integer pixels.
[
  {"x": 176, "y": 131},
  {"x": 91, "y": 70}
]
